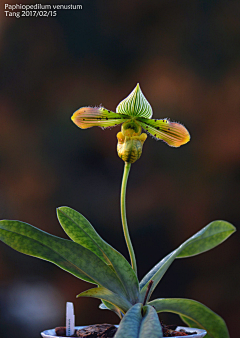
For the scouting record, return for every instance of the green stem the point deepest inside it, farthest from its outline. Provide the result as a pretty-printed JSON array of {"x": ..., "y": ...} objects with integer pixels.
[{"x": 124, "y": 217}]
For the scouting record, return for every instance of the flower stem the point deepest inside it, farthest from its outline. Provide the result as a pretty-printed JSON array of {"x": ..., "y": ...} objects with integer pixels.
[
  {"x": 147, "y": 292},
  {"x": 127, "y": 167}
]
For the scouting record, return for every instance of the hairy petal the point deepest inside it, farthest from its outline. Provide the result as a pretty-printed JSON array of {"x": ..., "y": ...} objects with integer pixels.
[
  {"x": 87, "y": 117},
  {"x": 173, "y": 133}
]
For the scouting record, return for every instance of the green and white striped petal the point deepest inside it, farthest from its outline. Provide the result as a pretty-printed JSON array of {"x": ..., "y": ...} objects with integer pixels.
[
  {"x": 87, "y": 117},
  {"x": 173, "y": 133},
  {"x": 135, "y": 105}
]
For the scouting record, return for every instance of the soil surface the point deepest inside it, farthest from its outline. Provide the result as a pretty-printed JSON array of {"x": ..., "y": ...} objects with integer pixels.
[
  {"x": 109, "y": 330},
  {"x": 169, "y": 331}
]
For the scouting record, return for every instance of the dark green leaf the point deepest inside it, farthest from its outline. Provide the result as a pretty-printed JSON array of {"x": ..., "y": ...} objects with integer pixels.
[
  {"x": 109, "y": 296},
  {"x": 82, "y": 232},
  {"x": 78, "y": 228},
  {"x": 195, "y": 313},
  {"x": 210, "y": 236},
  {"x": 150, "y": 326},
  {"x": 130, "y": 324},
  {"x": 140, "y": 322},
  {"x": 207, "y": 238},
  {"x": 108, "y": 306},
  {"x": 68, "y": 255}
]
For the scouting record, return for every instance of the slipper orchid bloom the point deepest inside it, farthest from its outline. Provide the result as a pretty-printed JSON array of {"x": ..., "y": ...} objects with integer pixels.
[{"x": 134, "y": 113}]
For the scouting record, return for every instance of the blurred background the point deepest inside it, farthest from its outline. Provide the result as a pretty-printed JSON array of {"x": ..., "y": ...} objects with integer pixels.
[{"x": 186, "y": 56}]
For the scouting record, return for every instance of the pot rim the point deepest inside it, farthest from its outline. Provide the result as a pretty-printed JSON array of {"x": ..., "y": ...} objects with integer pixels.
[{"x": 200, "y": 333}]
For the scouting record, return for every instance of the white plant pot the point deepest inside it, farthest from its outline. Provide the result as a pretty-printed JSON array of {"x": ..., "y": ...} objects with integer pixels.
[{"x": 200, "y": 333}]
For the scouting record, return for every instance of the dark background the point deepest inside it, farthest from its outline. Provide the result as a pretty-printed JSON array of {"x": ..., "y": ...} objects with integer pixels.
[{"x": 185, "y": 55}]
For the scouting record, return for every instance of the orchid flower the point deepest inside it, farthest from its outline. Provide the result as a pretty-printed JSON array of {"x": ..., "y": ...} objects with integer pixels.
[
  {"x": 134, "y": 113},
  {"x": 137, "y": 111}
]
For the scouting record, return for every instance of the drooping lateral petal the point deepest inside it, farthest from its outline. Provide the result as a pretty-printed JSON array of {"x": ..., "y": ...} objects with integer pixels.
[
  {"x": 135, "y": 104},
  {"x": 173, "y": 133},
  {"x": 87, "y": 117}
]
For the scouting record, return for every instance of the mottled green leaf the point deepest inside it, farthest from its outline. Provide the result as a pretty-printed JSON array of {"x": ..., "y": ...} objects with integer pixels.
[
  {"x": 210, "y": 236},
  {"x": 68, "y": 255},
  {"x": 109, "y": 296},
  {"x": 108, "y": 306},
  {"x": 150, "y": 326},
  {"x": 140, "y": 322},
  {"x": 79, "y": 229},
  {"x": 135, "y": 104},
  {"x": 189, "y": 322},
  {"x": 130, "y": 324},
  {"x": 195, "y": 313},
  {"x": 82, "y": 232}
]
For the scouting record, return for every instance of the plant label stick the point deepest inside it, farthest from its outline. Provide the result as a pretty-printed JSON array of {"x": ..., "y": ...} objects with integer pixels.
[{"x": 70, "y": 319}]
